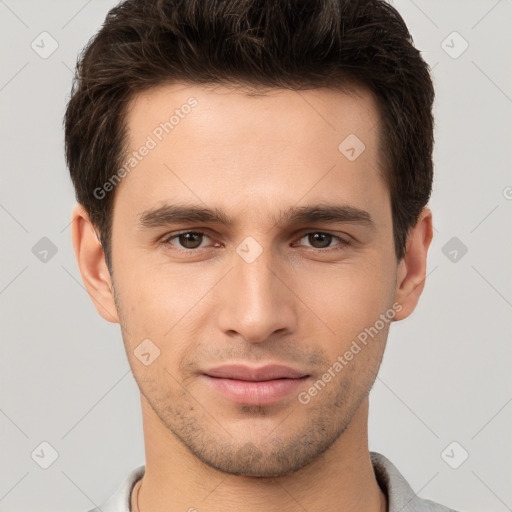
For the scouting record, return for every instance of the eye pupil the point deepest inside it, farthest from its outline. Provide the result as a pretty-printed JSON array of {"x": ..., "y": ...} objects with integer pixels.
[
  {"x": 323, "y": 238},
  {"x": 190, "y": 240}
]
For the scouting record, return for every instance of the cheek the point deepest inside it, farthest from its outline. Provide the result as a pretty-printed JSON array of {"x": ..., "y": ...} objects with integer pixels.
[
  {"x": 157, "y": 295},
  {"x": 161, "y": 306},
  {"x": 348, "y": 296}
]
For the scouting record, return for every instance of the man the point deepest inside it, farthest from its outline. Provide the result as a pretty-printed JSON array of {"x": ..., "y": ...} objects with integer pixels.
[{"x": 252, "y": 180}]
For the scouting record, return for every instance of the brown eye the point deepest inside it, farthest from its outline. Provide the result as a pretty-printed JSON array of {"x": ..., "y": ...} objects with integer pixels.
[
  {"x": 186, "y": 240},
  {"x": 320, "y": 240},
  {"x": 190, "y": 240}
]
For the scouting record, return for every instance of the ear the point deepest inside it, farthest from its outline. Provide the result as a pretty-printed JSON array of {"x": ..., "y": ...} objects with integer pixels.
[
  {"x": 91, "y": 262},
  {"x": 412, "y": 268}
]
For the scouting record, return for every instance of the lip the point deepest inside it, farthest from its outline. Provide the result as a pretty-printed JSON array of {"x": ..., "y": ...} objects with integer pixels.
[
  {"x": 248, "y": 373},
  {"x": 265, "y": 385}
]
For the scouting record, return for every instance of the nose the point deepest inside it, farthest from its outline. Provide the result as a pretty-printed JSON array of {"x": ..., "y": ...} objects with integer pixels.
[{"x": 256, "y": 301}]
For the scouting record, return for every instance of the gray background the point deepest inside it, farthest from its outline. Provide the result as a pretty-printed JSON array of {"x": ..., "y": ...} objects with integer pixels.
[{"x": 445, "y": 377}]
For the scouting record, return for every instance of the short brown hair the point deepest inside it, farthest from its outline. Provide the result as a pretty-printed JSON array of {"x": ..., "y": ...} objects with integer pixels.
[{"x": 267, "y": 43}]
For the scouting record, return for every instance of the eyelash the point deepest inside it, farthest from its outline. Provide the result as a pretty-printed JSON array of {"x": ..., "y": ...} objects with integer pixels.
[{"x": 166, "y": 241}]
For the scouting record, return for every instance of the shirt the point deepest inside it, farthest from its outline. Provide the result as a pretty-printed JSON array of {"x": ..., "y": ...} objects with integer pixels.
[{"x": 400, "y": 496}]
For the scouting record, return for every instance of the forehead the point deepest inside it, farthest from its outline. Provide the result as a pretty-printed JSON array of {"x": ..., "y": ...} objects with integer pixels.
[
  {"x": 230, "y": 148},
  {"x": 235, "y": 113}
]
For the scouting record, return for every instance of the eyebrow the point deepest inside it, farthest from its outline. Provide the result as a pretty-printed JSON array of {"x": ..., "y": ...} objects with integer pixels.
[{"x": 319, "y": 213}]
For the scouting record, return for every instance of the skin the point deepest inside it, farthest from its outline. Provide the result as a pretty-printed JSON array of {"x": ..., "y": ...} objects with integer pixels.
[{"x": 300, "y": 303}]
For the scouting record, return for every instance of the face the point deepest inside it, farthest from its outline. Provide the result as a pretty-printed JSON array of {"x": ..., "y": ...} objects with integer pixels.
[{"x": 256, "y": 230}]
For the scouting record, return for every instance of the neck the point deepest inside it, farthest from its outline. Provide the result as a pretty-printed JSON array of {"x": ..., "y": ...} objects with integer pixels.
[{"x": 175, "y": 480}]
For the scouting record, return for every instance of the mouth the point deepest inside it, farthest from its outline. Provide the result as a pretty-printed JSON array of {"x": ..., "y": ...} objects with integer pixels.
[{"x": 255, "y": 386}]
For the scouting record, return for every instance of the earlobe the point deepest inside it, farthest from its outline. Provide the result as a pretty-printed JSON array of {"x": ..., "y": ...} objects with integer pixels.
[
  {"x": 412, "y": 268},
  {"x": 91, "y": 262}
]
